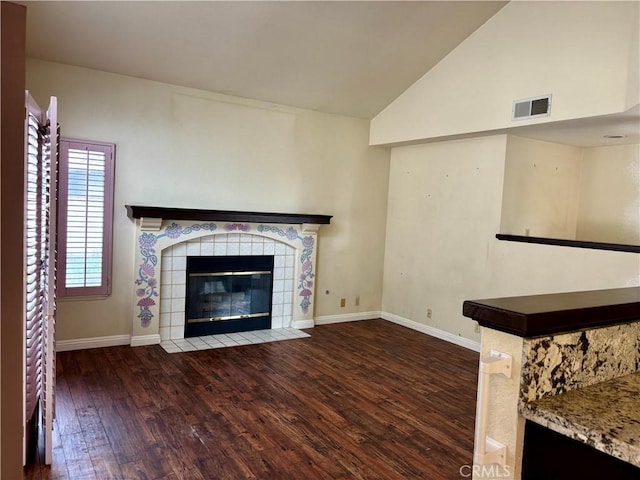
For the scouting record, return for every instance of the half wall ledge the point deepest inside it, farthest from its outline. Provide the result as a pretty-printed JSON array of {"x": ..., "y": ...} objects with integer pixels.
[{"x": 138, "y": 211}]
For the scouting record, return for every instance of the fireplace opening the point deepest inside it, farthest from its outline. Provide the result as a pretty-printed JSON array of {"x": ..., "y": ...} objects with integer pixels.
[{"x": 228, "y": 294}]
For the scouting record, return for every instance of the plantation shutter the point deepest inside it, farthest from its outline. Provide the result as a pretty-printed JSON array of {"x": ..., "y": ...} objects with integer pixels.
[
  {"x": 41, "y": 138},
  {"x": 86, "y": 174},
  {"x": 35, "y": 250}
]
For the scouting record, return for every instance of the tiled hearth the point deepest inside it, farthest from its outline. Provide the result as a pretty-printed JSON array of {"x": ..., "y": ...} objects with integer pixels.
[
  {"x": 174, "y": 278},
  {"x": 231, "y": 340}
]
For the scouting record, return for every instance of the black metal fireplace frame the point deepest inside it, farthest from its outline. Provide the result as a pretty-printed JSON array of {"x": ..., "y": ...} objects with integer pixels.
[{"x": 249, "y": 263}]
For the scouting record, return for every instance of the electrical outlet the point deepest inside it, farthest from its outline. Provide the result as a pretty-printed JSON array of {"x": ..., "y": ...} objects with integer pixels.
[
  {"x": 343, "y": 302},
  {"x": 429, "y": 313},
  {"x": 357, "y": 301}
]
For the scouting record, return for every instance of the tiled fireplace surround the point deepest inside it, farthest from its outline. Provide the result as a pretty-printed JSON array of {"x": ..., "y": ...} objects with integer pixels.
[
  {"x": 173, "y": 276},
  {"x": 163, "y": 245}
]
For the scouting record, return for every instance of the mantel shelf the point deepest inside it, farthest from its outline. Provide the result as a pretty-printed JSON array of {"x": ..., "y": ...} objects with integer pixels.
[{"x": 138, "y": 211}]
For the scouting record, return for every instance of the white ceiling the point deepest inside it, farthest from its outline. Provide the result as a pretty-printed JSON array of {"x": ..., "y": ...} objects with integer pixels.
[{"x": 351, "y": 58}]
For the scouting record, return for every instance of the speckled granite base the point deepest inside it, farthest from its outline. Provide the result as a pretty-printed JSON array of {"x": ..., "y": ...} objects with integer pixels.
[
  {"x": 605, "y": 416},
  {"x": 564, "y": 362}
]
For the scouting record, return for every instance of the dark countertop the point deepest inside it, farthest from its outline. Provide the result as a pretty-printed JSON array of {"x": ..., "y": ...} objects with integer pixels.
[
  {"x": 605, "y": 416},
  {"x": 537, "y": 315}
]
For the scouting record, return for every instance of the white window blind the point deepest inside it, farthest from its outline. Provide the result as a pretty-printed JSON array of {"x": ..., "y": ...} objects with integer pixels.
[{"x": 86, "y": 216}]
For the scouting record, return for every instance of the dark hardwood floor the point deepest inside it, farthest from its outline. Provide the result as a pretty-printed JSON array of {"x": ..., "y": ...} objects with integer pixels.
[{"x": 364, "y": 400}]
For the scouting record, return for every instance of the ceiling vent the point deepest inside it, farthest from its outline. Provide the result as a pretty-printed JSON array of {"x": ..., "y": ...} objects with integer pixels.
[{"x": 531, "y": 107}]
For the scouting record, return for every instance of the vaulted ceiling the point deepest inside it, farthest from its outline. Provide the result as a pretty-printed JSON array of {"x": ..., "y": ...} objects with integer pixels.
[{"x": 350, "y": 58}]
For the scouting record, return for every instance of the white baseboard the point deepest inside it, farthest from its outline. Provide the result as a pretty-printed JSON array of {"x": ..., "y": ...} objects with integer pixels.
[
  {"x": 347, "y": 317},
  {"x": 300, "y": 324},
  {"x": 94, "y": 342},
  {"x": 141, "y": 340},
  {"x": 434, "y": 332}
]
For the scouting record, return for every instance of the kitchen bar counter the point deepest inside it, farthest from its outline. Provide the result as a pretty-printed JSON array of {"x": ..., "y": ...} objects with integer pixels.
[
  {"x": 571, "y": 406},
  {"x": 605, "y": 416},
  {"x": 538, "y": 315}
]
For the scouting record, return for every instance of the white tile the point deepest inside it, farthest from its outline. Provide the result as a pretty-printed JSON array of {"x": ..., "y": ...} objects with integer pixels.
[
  {"x": 188, "y": 348},
  {"x": 220, "y": 249},
  {"x": 178, "y": 291},
  {"x": 280, "y": 248},
  {"x": 178, "y": 277},
  {"x": 206, "y": 249},
  {"x": 177, "y": 305},
  {"x": 288, "y": 285},
  {"x": 212, "y": 341},
  {"x": 233, "y": 238},
  {"x": 233, "y": 249},
  {"x": 276, "y": 322},
  {"x": 245, "y": 249},
  {"x": 209, "y": 239},
  {"x": 167, "y": 252},
  {"x": 279, "y": 261},
  {"x": 277, "y": 310},
  {"x": 196, "y": 342},
  {"x": 287, "y": 309},
  {"x": 234, "y": 336},
  {"x": 166, "y": 292},
  {"x": 290, "y": 261},
  {"x": 277, "y": 298},
  {"x": 180, "y": 249},
  {"x": 222, "y": 238},
  {"x": 167, "y": 263},
  {"x": 165, "y": 302},
  {"x": 257, "y": 249},
  {"x": 177, "y": 333},
  {"x": 177, "y": 319},
  {"x": 165, "y": 333},
  {"x": 165, "y": 277},
  {"x": 245, "y": 238},
  {"x": 278, "y": 285},
  {"x": 288, "y": 273},
  {"x": 248, "y": 335},
  {"x": 171, "y": 349},
  {"x": 278, "y": 273},
  {"x": 193, "y": 249},
  {"x": 179, "y": 263},
  {"x": 269, "y": 248},
  {"x": 165, "y": 319}
]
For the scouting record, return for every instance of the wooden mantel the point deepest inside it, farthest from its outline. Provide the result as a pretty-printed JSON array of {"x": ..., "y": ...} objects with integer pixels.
[{"x": 139, "y": 211}]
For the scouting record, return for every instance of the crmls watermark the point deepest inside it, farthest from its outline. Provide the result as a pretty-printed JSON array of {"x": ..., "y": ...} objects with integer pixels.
[{"x": 488, "y": 472}]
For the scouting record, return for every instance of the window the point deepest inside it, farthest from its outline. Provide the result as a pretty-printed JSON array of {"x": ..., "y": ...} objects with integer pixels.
[{"x": 85, "y": 217}]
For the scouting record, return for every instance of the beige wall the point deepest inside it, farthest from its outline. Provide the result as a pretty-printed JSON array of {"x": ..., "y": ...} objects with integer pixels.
[
  {"x": 541, "y": 189},
  {"x": 560, "y": 191},
  {"x": 181, "y": 147},
  {"x": 583, "y": 53},
  {"x": 445, "y": 202},
  {"x": 609, "y": 194}
]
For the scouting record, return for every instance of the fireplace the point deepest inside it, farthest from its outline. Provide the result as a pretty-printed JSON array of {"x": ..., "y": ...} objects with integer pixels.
[
  {"x": 166, "y": 238},
  {"x": 228, "y": 294}
]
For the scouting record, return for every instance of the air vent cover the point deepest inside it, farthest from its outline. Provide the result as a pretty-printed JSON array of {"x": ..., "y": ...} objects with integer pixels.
[{"x": 531, "y": 107}]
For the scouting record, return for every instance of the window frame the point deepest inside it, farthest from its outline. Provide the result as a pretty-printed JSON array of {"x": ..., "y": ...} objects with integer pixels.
[{"x": 107, "y": 234}]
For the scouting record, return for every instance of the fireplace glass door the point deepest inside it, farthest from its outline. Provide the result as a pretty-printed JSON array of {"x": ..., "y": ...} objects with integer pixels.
[{"x": 228, "y": 294}]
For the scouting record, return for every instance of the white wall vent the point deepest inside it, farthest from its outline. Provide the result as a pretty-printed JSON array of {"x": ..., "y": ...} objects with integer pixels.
[{"x": 531, "y": 108}]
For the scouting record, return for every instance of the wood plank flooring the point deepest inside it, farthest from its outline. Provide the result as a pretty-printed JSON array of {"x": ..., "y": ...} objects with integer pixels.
[{"x": 361, "y": 400}]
